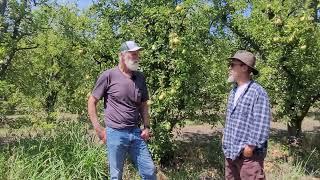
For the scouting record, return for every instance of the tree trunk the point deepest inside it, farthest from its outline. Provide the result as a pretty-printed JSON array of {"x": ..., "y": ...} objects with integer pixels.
[
  {"x": 294, "y": 126},
  {"x": 51, "y": 101},
  {"x": 294, "y": 131}
]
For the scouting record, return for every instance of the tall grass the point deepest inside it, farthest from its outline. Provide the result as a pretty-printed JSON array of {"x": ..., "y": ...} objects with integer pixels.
[
  {"x": 295, "y": 169},
  {"x": 289, "y": 171},
  {"x": 68, "y": 153}
]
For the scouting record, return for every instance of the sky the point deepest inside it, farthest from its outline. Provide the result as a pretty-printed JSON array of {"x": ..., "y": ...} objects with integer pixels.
[{"x": 81, "y": 3}]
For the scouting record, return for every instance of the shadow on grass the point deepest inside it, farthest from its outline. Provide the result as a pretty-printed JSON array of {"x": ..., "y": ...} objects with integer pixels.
[
  {"x": 199, "y": 156},
  {"x": 314, "y": 114},
  {"x": 306, "y": 154}
]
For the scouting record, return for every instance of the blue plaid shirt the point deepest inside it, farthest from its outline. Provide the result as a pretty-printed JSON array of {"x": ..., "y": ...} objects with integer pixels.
[{"x": 248, "y": 122}]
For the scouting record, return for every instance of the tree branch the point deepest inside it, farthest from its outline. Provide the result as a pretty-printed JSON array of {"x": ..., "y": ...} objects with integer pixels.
[
  {"x": 314, "y": 6},
  {"x": 242, "y": 34},
  {"x": 3, "y": 6},
  {"x": 26, "y": 48},
  {"x": 315, "y": 98}
]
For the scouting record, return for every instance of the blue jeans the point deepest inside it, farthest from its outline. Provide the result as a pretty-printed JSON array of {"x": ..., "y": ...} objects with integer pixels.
[{"x": 123, "y": 141}]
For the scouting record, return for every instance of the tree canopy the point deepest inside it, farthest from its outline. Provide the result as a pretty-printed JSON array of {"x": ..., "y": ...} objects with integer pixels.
[{"x": 51, "y": 55}]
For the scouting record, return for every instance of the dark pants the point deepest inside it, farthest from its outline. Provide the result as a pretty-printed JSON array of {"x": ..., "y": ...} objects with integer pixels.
[{"x": 244, "y": 168}]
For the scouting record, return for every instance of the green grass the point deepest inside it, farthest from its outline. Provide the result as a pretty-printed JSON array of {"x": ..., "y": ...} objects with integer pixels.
[
  {"x": 69, "y": 152},
  {"x": 203, "y": 159}
]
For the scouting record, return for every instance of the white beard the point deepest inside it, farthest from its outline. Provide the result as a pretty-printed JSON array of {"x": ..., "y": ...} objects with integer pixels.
[
  {"x": 132, "y": 65},
  {"x": 231, "y": 79}
]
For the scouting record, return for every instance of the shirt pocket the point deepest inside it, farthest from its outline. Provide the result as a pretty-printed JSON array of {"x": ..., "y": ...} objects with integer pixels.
[{"x": 245, "y": 110}]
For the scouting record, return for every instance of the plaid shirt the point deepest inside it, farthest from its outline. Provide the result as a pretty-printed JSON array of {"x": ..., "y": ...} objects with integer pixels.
[{"x": 248, "y": 122}]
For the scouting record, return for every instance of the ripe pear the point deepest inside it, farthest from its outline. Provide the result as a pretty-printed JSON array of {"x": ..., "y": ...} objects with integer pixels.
[
  {"x": 276, "y": 39},
  {"x": 173, "y": 34},
  {"x": 303, "y": 47},
  {"x": 162, "y": 95},
  {"x": 178, "y": 8},
  {"x": 153, "y": 47},
  {"x": 278, "y": 21},
  {"x": 269, "y": 5},
  {"x": 172, "y": 91},
  {"x": 149, "y": 102},
  {"x": 175, "y": 40},
  {"x": 290, "y": 39}
]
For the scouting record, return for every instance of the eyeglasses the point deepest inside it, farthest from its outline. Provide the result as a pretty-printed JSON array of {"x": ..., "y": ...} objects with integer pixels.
[{"x": 231, "y": 64}]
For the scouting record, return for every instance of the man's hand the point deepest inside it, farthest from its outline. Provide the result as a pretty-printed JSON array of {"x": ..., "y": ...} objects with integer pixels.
[
  {"x": 145, "y": 134},
  {"x": 102, "y": 134},
  {"x": 92, "y": 111},
  {"x": 248, "y": 151}
]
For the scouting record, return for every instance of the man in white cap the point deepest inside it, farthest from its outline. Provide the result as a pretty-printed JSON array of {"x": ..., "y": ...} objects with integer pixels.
[
  {"x": 125, "y": 95},
  {"x": 247, "y": 124}
]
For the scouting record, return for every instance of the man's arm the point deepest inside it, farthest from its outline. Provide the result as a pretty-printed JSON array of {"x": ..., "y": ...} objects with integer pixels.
[
  {"x": 262, "y": 120},
  {"x": 261, "y": 125},
  {"x": 144, "y": 111},
  {"x": 92, "y": 111}
]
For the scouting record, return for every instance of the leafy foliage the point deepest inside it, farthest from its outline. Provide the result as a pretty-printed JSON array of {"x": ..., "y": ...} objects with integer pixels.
[
  {"x": 51, "y": 55},
  {"x": 286, "y": 37}
]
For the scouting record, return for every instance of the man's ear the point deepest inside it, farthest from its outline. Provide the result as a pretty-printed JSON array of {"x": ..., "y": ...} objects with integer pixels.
[
  {"x": 245, "y": 68},
  {"x": 121, "y": 55}
]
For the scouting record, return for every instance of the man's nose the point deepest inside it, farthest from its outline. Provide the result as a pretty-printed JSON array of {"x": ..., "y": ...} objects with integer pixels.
[{"x": 136, "y": 59}]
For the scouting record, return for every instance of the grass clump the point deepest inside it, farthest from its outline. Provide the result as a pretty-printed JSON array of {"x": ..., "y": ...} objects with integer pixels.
[{"x": 68, "y": 153}]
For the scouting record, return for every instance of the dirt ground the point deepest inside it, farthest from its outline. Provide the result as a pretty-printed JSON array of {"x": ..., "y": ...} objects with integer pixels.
[
  {"x": 277, "y": 161},
  {"x": 203, "y": 131}
]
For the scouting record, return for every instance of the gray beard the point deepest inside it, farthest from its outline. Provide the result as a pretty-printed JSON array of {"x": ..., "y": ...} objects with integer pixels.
[
  {"x": 131, "y": 65},
  {"x": 231, "y": 79}
]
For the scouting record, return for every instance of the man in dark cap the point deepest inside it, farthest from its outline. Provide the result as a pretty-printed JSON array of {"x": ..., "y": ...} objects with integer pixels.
[
  {"x": 247, "y": 124},
  {"x": 125, "y": 95}
]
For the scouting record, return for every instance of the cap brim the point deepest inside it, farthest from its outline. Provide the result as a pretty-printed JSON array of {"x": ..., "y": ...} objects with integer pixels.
[
  {"x": 135, "y": 49},
  {"x": 229, "y": 58}
]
